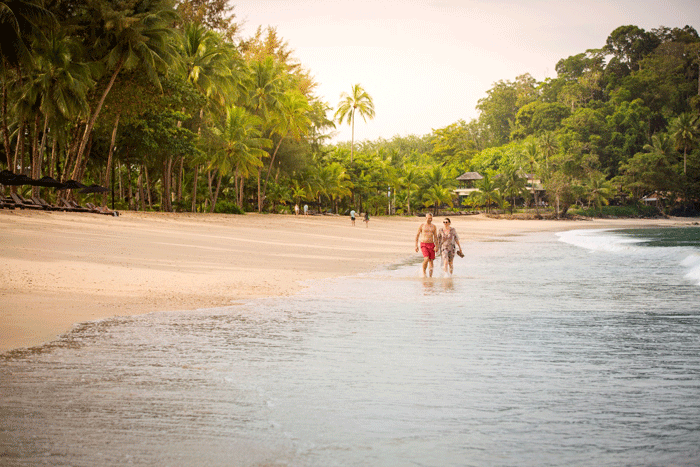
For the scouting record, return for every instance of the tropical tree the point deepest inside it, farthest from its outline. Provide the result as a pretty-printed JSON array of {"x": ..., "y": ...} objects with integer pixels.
[
  {"x": 291, "y": 120},
  {"x": 513, "y": 185},
  {"x": 267, "y": 85},
  {"x": 487, "y": 193},
  {"x": 213, "y": 68},
  {"x": 298, "y": 191},
  {"x": 684, "y": 129},
  {"x": 599, "y": 191},
  {"x": 209, "y": 64},
  {"x": 410, "y": 181},
  {"x": 56, "y": 88},
  {"x": 340, "y": 185},
  {"x": 358, "y": 101},
  {"x": 20, "y": 23},
  {"x": 131, "y": 35},
  {"x": 436, "y": 196},
  {"x": 439, "y": 176},
  {"x": 241, "y": 148}
]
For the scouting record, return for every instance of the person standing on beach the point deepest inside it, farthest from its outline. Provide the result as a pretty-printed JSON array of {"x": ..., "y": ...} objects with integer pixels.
[
  {"x": 427, "y": 235},
  {"x": 296, "y": 209},
  {"x": 366, "y": 221},
  {"x": 447, "y": 239},
  {"x": 306, "y": 209},
  {"x": 352, "y": 217}
]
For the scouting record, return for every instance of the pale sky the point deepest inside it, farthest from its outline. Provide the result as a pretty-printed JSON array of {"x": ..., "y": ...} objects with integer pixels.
[{"x": 427, "y": 63}]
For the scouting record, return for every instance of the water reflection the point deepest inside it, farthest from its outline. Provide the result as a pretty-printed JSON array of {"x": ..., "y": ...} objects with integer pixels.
[{"x": 438, "y": 285}]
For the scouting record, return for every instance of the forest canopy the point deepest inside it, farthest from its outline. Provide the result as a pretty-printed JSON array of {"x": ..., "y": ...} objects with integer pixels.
[{"x": 166, "y": 105}]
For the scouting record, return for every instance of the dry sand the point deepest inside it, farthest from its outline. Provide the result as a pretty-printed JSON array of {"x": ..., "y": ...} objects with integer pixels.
[{"x": 60, "y": 269}]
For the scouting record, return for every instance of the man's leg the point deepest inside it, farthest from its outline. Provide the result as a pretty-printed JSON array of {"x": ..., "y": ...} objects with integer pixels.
[{"x": 431, "y": 267}]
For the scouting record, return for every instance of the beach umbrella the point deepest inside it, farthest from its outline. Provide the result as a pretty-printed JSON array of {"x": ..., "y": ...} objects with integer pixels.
[
  {"x": 6, "y": 176},
  {"x": 71, "y": 185},
  {"x": 17, "y": 180},
  {"x": 47, "y": 182},
  {"x": 94, "y": 189}
]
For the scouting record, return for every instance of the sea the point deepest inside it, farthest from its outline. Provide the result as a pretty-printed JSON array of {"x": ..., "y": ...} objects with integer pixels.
[{"x": 578, "y": 348}]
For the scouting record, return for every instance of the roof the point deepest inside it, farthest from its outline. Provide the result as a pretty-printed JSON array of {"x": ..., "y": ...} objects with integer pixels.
[{"x": 469, "y": 176}]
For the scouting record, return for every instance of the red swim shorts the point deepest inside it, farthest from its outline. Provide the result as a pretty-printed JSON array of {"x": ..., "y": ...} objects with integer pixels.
[{"x": 428, "y": 250}]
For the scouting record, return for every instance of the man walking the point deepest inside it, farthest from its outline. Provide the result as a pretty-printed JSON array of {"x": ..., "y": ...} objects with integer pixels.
[{"x": 427, "y": 235}]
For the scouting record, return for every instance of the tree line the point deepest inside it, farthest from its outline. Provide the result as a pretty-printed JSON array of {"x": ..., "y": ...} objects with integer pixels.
[{"x": 167, "y": 106}]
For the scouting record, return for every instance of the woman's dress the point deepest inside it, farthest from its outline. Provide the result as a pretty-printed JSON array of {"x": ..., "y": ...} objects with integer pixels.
[{"x": 447, "y": 243}]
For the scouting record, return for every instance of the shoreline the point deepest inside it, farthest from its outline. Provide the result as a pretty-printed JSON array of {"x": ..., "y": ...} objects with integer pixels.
[{"x": 61, "y": 269}]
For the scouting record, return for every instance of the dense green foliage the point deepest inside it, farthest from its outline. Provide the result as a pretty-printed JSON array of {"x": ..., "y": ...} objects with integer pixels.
[{"x": 162, "y": 103}]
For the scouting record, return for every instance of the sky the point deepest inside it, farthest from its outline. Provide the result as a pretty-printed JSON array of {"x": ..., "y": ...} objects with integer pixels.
[{"x": 427, "y": 63}]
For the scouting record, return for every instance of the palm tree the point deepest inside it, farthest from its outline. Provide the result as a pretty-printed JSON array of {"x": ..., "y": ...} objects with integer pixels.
[
  {"x": 265, "y": 98},
  {"x": 513, "y": 185},
  {"x": 20, "y": 23},
  {"x": 20, "y": 20},
  {"x": 212, "y": 68},
  {"x": 488, "y": 192},
  {"x": 340, "y": 185},
  {"x": 279, "y": 193},
  {"x": 57, "y": 89},
  {"x": 298, "y": 192},
  {"x": 266, "y": 87},
  {"x": 599, "y": 191},
  {"x": 242, "y": 147},
  {"x": 662, "y": 145},
  {"x": 292, "y": 120},
  {"x": 209, "y": 64},
  {"x": 685, "y": 131},
  {"x": 410, "y": 181},
  {"x": 139, "y": 37},
  {"x": 357, "y": 101},
  {"x": 436, "y": 196},
  {"x": 439, "y": 176},
  {"x": 548, "y": 145}
]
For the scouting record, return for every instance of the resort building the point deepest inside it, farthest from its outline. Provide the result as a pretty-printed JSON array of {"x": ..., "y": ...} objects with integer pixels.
[{"x": 466, "y": 185}]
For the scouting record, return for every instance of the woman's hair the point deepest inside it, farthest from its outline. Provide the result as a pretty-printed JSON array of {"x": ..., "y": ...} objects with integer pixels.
[{"x": 447, "y": 219}]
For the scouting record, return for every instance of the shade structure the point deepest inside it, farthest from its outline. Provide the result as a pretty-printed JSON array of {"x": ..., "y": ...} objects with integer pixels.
[
  {"x": 47, "y": 182},
  {"x": 72, "y": 185},
  {"x": 6, "y": 176},
  {"x": 94, "y": 189},
  {"x": 10, "y": 179}
]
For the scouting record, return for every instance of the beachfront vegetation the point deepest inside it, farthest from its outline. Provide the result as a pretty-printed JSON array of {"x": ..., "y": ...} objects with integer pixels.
[{"x": 165, "y": 104}]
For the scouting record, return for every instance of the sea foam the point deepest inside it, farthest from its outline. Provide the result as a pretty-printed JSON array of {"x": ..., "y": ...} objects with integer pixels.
[
  {"x": 607, "y": 241},
  {"x": 599, "y": 240}
]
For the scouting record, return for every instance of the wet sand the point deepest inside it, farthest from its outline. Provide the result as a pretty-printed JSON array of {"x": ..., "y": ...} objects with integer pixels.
[{"x": 60, "y": 269}]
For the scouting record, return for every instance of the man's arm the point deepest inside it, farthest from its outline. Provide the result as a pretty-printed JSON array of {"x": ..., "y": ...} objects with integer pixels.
[{"x": 420, "y": 229}]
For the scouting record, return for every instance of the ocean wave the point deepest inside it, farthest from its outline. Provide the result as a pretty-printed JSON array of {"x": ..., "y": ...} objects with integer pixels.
[
  {"x": 692, "y": 263},
  {"x": 599, "y": 240},
  {"x": 607, "y": 241}
]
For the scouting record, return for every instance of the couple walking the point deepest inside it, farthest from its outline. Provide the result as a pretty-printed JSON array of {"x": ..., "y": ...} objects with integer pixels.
[{"x": 445, "y": 240}]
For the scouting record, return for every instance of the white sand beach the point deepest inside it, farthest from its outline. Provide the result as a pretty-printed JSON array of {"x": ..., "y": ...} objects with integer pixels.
[{"x": 60, "y": 269}]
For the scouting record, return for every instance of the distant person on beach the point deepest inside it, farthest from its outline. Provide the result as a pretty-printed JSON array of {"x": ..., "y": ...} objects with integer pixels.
[
  {"x": 427, "y": 235},
  {"x": 352, "y": 217},
  {"x": 296, "y": 209},
  {"x": 448, "y": 240},
  {"x": 306, "y": 209},
  {"x": 366, "y": 221}
]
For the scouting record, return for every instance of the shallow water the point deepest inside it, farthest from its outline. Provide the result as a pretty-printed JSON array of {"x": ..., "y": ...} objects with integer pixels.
[{"x": 542, "y": 350}]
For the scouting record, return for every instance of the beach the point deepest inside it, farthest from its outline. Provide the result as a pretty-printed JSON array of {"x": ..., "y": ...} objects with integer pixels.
[{"x": 61, "y": 269}]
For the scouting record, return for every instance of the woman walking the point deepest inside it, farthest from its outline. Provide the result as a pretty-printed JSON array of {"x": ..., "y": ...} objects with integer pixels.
[{"x": 448, "y": 240}]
